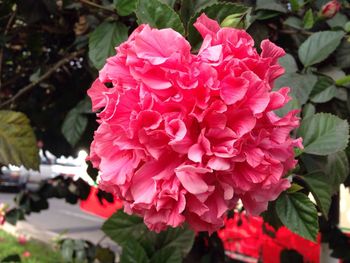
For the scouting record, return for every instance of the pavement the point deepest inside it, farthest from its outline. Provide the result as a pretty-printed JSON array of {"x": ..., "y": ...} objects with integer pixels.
[{"x": 63, "y": 219}]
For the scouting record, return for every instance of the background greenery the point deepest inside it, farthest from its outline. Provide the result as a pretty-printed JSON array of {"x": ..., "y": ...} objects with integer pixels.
[{"x": 50, "y": 52}]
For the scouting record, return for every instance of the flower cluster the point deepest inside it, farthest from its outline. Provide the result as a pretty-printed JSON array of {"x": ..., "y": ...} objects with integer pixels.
[{"x": 182, "y": 136}]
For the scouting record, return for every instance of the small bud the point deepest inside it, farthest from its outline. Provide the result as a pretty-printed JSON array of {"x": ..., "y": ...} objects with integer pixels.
[
  {"x": 234, "y": 20},
  {"x": 330, "y": 9}
]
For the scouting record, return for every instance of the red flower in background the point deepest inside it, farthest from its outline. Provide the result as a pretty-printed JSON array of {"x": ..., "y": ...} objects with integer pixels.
[
  {"x": 250, "y": 236},
  {"x": 330, "y": 9}
]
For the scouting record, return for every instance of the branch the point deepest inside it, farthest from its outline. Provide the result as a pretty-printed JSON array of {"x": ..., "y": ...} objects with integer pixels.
[
  {"x": 87, "y": 2},
  {"x": 47, "y": 74},
  {"x": 295, "y": 32},
  {"x": 7, "y": 29}
]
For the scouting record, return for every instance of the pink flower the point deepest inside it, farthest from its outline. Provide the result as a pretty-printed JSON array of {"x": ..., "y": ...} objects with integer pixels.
[
  {"x": 22, "y": 240},
  {"x": 26, "y": 254},
  {"x": 184, "y": 136},
  {"x": 330, "y": 9}
]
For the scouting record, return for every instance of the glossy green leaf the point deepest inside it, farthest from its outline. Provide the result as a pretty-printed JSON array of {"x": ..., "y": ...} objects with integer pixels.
[
  {"x": 324, "y": 90},
  {"x": 133, "y": 252},
  {"x": 301, "y": 85},
  {"x": 190, "y": 7},
  {"x": 338, "y": 21},
  {"x": 180, "y": 238},
  {"x": 125, "y": 7},
  {"x": 167, "y": 255},
  {"x": 266, "y": 14},
  {"x": 298, "y": 214},
  {"x": 319, "y": 46},
  {"x": 159, "y": 15},
  {"x": 218, "y": 12},
  {"x": 270, "y": 216},
  {"x": 291, "y": 105},
  {"x": 337, "y": 169},
  {"x": 294, "y": 22},
  {"x": 274, "y": 5},
  {"x": 308, "y": 20},
  {"x": 170, "y": 3},
  {"x": 104, "y": 39},
  {"x": 324, "y": 134},
  {"x": 295, "y": 5},
  {"x": 18, "y": 144},
  {"x": 342, "y": 54},
  {"x": 288, "y": 63},
  {"x": 75, "y": 123},
  {"x": 308, "y": 110},
  {"x": 318, "y": 184},
  {"x": 120, "y": 227},
  {"x": 294, "y": 188}
]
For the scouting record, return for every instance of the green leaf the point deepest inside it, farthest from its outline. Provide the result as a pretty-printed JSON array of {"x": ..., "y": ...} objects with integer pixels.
[
  {"x": 318, "y": 184},
  {"x": 294, "y": 188},
  {"x": 133, "y": 252},
  {"x": 17, "y": 141},
  {"x": 180, "y": 238},
  {"x": 234, "y": 21},
  {"x": 266, "y": 14},
  {"x": 274, "y": 5},
  {"x": 294, "y": 22},
  {"x": 339, "y": 20},
  {"x": 125, "y": 7},
  {"x": 218, "y": 12},
  {"x": 170, "y": 3},
  {"x": 291, "y": 105},
  {"x": 75, "y": 122},
  {"x": 337, "y": 169},
  {"x": 270, "y": 216},
  {"x": 319, "y": 46},
  {"x": 324, "y": 90},
  {"x": 167, "y": 255},
  {"x": 301, "y": 85},
  {"x": 14, "y": 215},
  {"x": 158, "y": 15},
  {"x": 288, "y": 63},
  {"x": 294, "y": 5},
  {"x": 120, "y": 227},
  {"x": 323, "y": 134},
  {"x": 190, "y": 7},
  {"x": 104, "y": 39},
  {"x": 342, "y": 54},
  {"x": 298, "y": 214},
  {"x": 308, "y": 110},
  {"x": 308, "y": 19}
]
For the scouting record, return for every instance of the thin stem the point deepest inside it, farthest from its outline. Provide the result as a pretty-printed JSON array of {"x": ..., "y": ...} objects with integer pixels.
[
  {"x": 101, "y": 239},
  {"x": 294, "y": 32},
  {"x": 47, "y": 74},
  {"x": 7, "y": 29}
]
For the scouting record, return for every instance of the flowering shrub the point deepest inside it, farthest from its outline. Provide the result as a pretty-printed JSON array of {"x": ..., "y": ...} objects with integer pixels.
[{"x": 183, "y": 136}]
